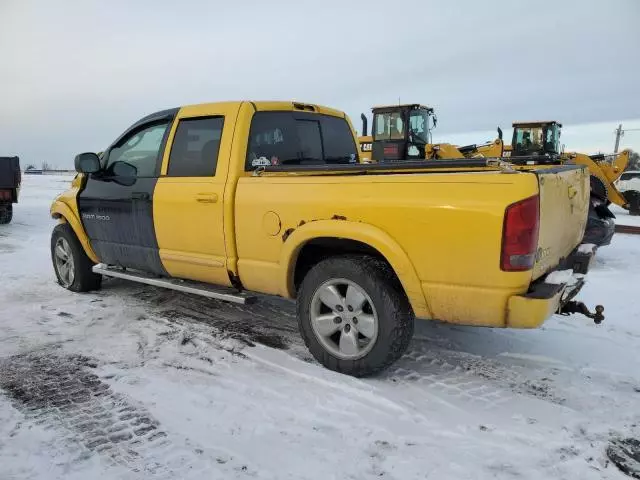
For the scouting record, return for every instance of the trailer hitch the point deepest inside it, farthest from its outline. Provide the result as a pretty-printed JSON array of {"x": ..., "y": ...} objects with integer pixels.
[{"x": 579, "y": 307}]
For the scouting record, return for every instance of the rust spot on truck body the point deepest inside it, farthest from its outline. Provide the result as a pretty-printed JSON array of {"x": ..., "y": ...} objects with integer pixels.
[{"x": 286, "y": 234}]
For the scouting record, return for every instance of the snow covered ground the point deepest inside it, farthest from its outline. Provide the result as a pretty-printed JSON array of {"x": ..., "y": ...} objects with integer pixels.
[
  {"x": 135, "y": 382},
  {"x": 623, "y": 217}
]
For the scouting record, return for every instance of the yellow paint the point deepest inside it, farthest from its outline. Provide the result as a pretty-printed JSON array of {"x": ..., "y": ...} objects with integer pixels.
[
  {"x": 604, "y": 172},
  {"x": 65, "y": 209},
  {"x": 271, "y": 224},
  {"x": 566, "y": 196},
  {"x": 391, "y": 214},
  {"x": 365, "y": 145},
  {"x": 188, "y": 212},
  {"x": 525, "y": 312}
]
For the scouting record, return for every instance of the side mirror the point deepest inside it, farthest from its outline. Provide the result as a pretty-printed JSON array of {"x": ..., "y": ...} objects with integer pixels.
[{"x": 87, "y": 162}]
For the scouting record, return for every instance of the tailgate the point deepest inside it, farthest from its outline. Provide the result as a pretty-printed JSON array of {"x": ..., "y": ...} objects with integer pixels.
[
  {"x": 9, "y": 168},
  {"x": 564, "y": 206}
]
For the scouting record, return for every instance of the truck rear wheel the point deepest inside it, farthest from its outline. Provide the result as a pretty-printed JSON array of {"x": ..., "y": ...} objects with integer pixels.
[
  {"x": 353, "y": 315},
  {"x": 633, "y": 199},
  {"x": 70, "y": 262},
  {"x": 6, "y": 213}
]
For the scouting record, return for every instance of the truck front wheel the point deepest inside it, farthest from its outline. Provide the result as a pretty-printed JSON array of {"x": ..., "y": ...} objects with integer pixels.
[
  {"x": 6, "y": 213},
  {"x": 70, "y": 262},
  {"x": 353, "y": 315}
]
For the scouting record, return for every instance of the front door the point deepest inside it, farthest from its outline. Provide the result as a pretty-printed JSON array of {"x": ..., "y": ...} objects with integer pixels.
[
  {"x": 116, "y": 206},
  {"x": 188, "y": 203}
]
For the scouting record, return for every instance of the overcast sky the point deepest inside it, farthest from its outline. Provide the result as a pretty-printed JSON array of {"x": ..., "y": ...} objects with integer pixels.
[{"x": 73, "y": 75}]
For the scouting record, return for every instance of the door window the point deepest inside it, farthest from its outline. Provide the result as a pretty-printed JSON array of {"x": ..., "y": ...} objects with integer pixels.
[
  {"x": 141, "y": 149},
  {"x": 194, "y": 152}
]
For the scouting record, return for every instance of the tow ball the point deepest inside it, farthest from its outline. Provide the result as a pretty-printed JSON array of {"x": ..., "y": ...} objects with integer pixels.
[{"x": 579, "y": 307}]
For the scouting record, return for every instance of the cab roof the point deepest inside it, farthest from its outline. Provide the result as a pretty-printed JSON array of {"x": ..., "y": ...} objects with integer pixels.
[
  {"x": 536, "y": 123},
  {"x": 258, "y": 105},
  {"x": 410, "y": 106}
]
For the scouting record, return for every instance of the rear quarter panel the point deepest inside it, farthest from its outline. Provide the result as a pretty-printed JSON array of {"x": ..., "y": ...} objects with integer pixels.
[{"x": 448, "y": 225}]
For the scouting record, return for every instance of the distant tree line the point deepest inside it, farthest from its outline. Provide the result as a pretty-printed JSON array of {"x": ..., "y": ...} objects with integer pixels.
[{"x": 45, "y": 166}]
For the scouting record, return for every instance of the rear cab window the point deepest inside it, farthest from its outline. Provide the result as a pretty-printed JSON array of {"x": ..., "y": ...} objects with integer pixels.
[{"x": 299, "y": 138}]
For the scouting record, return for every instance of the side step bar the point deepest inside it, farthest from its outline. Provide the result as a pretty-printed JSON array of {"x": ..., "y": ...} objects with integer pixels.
[{"x": 187, "y": 286}]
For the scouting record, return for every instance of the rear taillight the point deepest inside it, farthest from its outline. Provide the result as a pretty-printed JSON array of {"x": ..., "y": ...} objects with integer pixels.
[
  {"x": 5, "y": 195},
  {"x": 520, "y": 235}
]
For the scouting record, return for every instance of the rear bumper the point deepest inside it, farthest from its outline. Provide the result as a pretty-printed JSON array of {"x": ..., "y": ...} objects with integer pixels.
[{"x": 546, "y": 297}]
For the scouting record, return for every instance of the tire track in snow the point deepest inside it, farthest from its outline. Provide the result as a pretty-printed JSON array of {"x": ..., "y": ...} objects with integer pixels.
[{"x": 60, "y": 392}]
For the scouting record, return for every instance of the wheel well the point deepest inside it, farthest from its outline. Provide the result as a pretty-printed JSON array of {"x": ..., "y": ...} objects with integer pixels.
[{"x": 318, "y": 249}]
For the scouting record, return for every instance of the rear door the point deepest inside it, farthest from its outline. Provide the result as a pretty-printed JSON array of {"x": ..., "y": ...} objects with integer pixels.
[
  {"x": 189, "y": 204},
  {"x": 116, "y": 204},
  {"x": 564, "y": 205}
]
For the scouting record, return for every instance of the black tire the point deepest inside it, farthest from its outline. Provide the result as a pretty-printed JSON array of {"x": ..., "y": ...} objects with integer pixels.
[
  {"x": 6, "y": 213},
  {"x": 599, "y": 188},
  {"x": 395, "y": 315},
  {"x": 84, "y": 280},
  {"x": 633, "y": 199}
]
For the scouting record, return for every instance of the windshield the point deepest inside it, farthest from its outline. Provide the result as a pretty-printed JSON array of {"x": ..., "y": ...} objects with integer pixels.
[
  {"x": 528, "y": 139},
  {"x": 388, "y": 126},
  {"x": 419, "y": 124}
]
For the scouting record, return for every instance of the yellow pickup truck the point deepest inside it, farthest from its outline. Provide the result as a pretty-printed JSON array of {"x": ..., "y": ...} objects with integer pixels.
[{"x": 225, "y": 199}]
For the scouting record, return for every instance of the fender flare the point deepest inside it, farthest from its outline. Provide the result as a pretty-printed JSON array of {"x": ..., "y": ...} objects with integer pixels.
[
  {"x": 361, "y": 232},
  {"x": 64, "y": 213}
]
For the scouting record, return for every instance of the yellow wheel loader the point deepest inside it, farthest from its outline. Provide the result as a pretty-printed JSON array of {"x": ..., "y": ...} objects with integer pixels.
[
  {"x": 543, "y": 139},
  {"x": 403, "y": 132}
]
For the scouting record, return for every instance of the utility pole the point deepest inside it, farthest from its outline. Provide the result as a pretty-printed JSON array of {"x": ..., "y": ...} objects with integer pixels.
[{"x": 619, "y": 133}]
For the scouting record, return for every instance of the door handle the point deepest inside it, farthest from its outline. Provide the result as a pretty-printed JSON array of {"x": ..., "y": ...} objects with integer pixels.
[
  {"x": 207, "y": 197},
  {"x": 140, "y": 196}
]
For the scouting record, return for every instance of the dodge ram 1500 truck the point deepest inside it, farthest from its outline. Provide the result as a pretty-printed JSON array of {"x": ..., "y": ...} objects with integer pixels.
[{"x": 225, "y": 199}]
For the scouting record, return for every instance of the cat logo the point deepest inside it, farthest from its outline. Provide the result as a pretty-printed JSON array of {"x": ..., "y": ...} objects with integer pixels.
[{"x": 366, "y": 147}]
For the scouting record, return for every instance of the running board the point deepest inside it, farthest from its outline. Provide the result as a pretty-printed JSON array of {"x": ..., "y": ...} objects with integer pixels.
[{"x": 187, "y": 286}]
